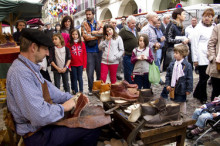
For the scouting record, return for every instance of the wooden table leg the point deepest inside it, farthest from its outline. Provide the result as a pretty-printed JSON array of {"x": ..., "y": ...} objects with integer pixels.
[{"x": 181, "y": 138}]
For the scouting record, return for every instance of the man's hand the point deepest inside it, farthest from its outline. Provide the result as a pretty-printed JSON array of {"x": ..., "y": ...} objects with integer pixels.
[
  {"x": 94, "y": 32},
  {"x": 187, "y": 93},
  {"x": 84, "y": 69},
  {"x": 162, "y": 39},
  {"x": 157, "y": 45},
  {"x": 195, "y": 64},
  {"x": 69, "y": 104}
]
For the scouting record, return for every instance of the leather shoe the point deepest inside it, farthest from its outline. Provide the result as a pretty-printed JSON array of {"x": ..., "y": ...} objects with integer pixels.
[
  {"x": 81, "y": 103},
  {"x": 119, "y": 91},
  {"x": 127, "y": 85}
]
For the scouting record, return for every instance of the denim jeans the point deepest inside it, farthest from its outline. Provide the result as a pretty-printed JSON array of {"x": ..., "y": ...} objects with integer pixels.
[
  {"x": 77, "y": 72},
  {"x": 128, "y": 68},
  {"x": 65, "y": 79},
  {"x": 93, "y": 64},
  {"x": 142, "y": 81},
  {"x": 201, "y": 117},
  {"x": 158, "y": 57}
]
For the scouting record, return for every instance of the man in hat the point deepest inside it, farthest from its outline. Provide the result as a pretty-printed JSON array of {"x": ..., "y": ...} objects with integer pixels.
[{"x": 35, "y": 103}]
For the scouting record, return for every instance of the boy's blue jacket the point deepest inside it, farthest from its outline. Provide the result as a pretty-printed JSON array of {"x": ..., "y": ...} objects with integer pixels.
[{"x": 184, "y": 83}]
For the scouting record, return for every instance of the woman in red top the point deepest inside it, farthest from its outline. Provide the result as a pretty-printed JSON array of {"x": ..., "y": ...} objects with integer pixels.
[{"x": 78, "y": 60}]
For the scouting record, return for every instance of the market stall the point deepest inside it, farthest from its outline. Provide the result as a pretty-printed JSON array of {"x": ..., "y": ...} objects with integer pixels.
[{"x": 10, "y": 12}]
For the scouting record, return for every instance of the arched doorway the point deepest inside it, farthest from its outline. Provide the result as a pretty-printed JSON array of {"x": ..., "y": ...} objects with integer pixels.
[
  {"x": 159, "y": 5},
  {"x": 106, "y": 14},
  {"x": 128, "y": 8}
]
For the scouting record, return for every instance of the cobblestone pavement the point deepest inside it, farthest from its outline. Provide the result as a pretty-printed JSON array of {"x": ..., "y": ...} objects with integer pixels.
[{"x": 191, "y": 105}]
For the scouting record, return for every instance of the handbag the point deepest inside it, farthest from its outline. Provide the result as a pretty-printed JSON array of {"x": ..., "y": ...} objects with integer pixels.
[
  {"x": 218, "y": 66},
  {"x": 154, "y": 74},
  {"x": 172, "y": 93}
]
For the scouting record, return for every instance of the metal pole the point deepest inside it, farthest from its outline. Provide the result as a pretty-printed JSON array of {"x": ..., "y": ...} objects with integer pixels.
[
  {"x": 68, "y": 9},
  {"x": 95, "y": 11}
]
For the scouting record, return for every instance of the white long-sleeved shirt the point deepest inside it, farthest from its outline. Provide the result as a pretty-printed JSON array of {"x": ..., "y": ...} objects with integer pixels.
[
  {"x": 189, "y": 31},
  {"x": 199, "y": 43}
]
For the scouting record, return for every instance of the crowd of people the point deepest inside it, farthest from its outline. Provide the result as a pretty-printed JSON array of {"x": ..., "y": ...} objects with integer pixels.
[{"x": 111, "y": 48}]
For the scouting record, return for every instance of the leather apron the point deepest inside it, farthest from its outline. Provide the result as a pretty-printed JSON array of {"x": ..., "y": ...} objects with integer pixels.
[{"x": 90, "y": 118}]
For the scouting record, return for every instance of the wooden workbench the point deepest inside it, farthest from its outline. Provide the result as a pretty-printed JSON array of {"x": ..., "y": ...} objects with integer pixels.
[{"x": 150, "y": 136}]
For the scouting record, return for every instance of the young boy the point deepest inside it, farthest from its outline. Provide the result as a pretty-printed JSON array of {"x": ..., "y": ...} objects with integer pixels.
[{"x": 179, "y": 77}]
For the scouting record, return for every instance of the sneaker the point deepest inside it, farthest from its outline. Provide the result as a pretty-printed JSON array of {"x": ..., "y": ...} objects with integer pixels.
[
  {"x": 73, "y": 92},
  {"x": 161, "y": 82},
  {"x": 90, "y": 93},
  {"x": 197, "y": 131},
  {"x": 119, "y": 77}
]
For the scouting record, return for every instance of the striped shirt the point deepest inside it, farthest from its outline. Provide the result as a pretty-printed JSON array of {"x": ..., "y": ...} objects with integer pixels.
[
  {"x": 149, "y": 30},
  {"x": 25, "y": 98}
]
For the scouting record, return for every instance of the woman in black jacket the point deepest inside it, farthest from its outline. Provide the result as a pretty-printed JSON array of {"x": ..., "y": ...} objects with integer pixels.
[{"x": 173, "y": 31}]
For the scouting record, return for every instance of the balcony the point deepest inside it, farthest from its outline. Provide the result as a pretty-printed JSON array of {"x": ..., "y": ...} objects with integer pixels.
[
  {"x": 81, "y": 7},
  {"x": 101, "y": 2}
]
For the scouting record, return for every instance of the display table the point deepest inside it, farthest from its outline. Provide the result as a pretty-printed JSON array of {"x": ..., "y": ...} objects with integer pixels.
[
  {"x": 7, "y": 56},
  {"x": 150, "y": 136},
  {"x": 10, "y": 50}
]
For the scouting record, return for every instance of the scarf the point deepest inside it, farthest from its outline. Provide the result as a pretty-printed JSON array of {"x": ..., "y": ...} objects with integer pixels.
[
  {"x": 76, "y": 41},
  {"x": 207, "y": 25},
  {"x": 177, "y": 72}
]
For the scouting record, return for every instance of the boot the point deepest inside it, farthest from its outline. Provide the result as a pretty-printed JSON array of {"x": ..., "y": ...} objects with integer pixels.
[
  {"x": 127, "y": 85},
  {"x": 104, "y": 87},
  {"x": 81, "y": 102},
  {"x": 145, "y": 95},
  {"x": 171, "y": 115},
  {"x": 148, "y": 109},
  {"x": 118, "y": 91},
  {"x": 159, "y": 103},
  {"x": 96, "y": 85},
  {"x": 133, "y": 91}
]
